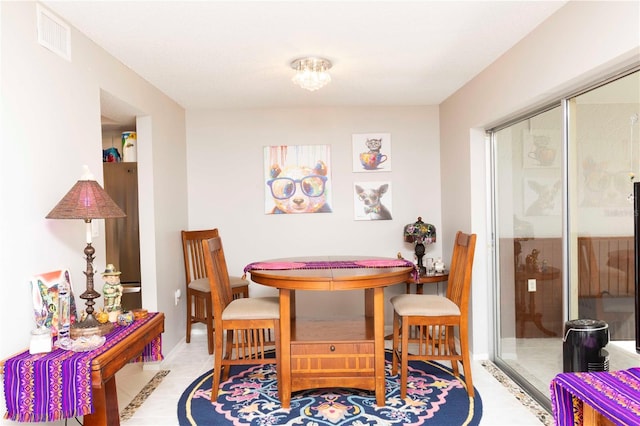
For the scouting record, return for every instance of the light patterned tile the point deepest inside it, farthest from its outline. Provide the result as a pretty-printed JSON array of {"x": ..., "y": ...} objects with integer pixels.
[
  {"x": 522, "y": 397},
  {"x": 142, "y": 396}
]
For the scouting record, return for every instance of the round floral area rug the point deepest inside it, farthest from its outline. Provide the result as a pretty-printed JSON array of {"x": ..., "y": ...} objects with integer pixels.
[{"x": 249, "y": 397}]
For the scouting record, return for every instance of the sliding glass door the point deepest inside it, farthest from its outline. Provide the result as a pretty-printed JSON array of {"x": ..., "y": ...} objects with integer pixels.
[
  {"x": 528, "y": 211},
  {"x": 604, "y": 163},
  {"x": 563, "y": 223}
]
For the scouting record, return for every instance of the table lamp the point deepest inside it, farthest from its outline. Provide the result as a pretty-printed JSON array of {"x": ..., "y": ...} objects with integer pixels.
[
  {"x": 420, "y": 233},
  {"x": 87, "y": 200}
]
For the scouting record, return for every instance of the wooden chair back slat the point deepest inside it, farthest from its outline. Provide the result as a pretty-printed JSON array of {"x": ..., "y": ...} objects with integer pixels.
[
  {"x": 193, "y": 252},
  {"x": 215, "y": 264},
  {"x": 459, "y": 283}
]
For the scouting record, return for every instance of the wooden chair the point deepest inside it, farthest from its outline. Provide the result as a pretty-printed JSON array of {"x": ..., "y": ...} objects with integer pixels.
[
  {"x": 607, "y": 292},
  {"x": 243, "y": 326},
  {"x": 435, "y": 318},
  {"x": 199, "y": 307}
]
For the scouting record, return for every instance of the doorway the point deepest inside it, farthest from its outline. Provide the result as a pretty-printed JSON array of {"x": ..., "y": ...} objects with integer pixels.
[{"x": 120, "y": 172}]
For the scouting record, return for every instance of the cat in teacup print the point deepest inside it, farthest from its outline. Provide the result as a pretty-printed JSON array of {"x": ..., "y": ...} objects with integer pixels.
[
  {"x": 374, "y": 145},
  {"x": 371, "y": 159},
  {"x": 299, "y": 189}
]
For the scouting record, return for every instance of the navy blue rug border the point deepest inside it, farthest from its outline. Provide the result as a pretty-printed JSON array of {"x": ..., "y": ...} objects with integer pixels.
[{"x": 199, "y": 382}]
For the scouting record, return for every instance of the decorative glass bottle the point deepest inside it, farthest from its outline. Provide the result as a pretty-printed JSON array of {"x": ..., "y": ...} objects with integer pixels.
[{"x": 64, "y": 310}]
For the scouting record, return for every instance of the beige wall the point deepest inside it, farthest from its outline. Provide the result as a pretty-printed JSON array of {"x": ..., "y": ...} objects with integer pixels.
[
  {"x": 227, "y": 189},
  {"x": 50, "y": 128},
  {"x": 580, "y": 43}
]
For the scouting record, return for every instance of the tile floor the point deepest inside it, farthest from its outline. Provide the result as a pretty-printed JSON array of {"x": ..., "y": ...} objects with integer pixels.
[
  {"x": 143, "y": 403},
  {"x": 539, "y": 360},
  {"x": 501, "y": 399}
]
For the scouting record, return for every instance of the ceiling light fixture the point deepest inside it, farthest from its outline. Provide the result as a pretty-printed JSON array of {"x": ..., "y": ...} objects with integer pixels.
[{"x": 311, "y": 73}]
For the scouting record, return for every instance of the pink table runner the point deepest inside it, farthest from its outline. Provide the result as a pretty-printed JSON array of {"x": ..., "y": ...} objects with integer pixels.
[
  {"x": 330, "y": 264},
  {"x": 57, "y": 385},
  {"x": 615, "y": 394}
]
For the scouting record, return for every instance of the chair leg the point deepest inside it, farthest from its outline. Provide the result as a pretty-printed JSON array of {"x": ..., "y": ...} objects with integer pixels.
[
  {"x": 276, "y": 333},
  {"x": 395, "y": 355},
  {"x": 228, "y": 353},
  {"x": 404, "y": 367},
  {"x": 209, "y": 314},
  {"x": 466, "y": 361},
  {"x": 189, "y": 314},
  {"x": 217, "y": 365},
  {"x": 451, "y": 347}
]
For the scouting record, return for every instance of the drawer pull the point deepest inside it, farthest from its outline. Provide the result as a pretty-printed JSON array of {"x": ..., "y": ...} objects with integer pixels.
[{"x": 333, "y": 348}]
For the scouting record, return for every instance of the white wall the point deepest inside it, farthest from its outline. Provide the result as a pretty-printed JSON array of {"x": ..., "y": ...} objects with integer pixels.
[
  {"x": 580, "y": 43},
  {"x": 227, "y": 190},
  {"x": 50, "y": 128}
]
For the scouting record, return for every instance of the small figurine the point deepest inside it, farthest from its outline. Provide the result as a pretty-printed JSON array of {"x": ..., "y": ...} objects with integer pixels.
[
  {"x": 532, "y": 261},
  {"x": 545, "y": 266},
  {"x": 126, "y": 318},
  {"x": 112, "y": 292}
]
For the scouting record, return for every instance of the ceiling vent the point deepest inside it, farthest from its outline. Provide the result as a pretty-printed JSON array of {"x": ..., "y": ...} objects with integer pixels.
[{"x": 53, "y": 33}]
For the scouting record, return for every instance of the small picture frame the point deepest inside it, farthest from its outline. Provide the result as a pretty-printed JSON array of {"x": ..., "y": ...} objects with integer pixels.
[
  {"x": 44, "y": 288},
  {"x": 372, "y": 201},
  {"x": 371, "y": 152}
]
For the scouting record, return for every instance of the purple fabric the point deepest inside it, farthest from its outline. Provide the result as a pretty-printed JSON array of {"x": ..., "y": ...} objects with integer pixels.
[
  {"x": 615, "y": 394},
  {"x": 330, "y": 264},
  {"x": 57, "y": 385}
]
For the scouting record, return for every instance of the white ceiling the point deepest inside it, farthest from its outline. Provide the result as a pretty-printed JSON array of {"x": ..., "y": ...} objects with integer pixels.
[{"x": 237, "y": 54}]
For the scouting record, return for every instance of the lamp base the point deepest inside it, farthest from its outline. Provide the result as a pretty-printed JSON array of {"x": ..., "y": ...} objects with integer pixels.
[
  {"x": 89, "y": 327},
  {"x": 419, "y": 255},
  {"x": 76, "y": 332}
]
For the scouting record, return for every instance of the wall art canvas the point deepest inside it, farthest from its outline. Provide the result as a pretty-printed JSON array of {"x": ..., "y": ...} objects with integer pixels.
[
  {"x": 371, "y": 152},
  {"x": 297, "y": 179},
  {"x": 372, "y": 201},
  {"x": 44, "y": 289}
]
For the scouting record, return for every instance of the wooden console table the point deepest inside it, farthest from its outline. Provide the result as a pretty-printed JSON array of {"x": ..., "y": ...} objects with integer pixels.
[
  {"x": 596, "y": 398},
  {"x": 528, "y": 313},
  {"x": 436, "y": 278},
  {"x": 105, "y": 361},
  {"x": 317, "y": 354}
]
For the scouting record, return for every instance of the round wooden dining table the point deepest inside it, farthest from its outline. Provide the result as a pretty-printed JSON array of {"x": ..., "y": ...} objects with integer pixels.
[{"x": 321, "y": 353}]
